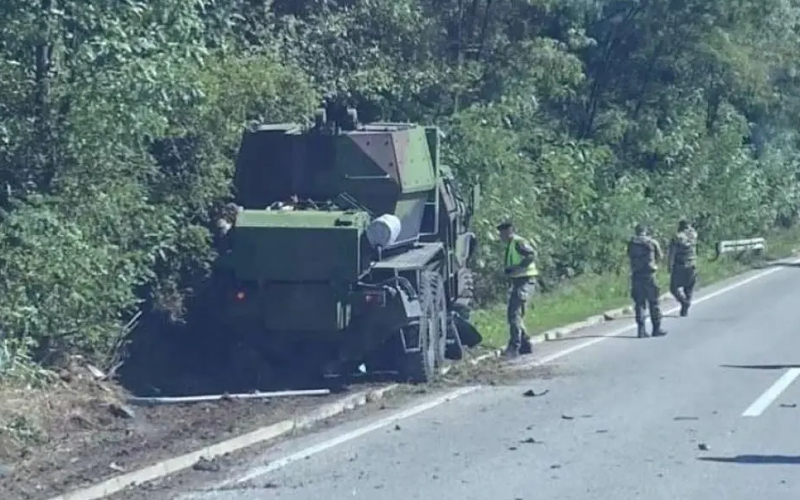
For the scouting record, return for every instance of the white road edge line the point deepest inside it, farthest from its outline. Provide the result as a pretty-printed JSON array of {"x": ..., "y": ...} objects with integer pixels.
[
  {"x": 624, "y": 329},
  {"x": 770, "y": 395},
  {"x": 349, "y": 436}
]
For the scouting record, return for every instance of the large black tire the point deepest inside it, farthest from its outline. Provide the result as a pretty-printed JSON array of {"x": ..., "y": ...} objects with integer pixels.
[{"x": 419, "y": 367}]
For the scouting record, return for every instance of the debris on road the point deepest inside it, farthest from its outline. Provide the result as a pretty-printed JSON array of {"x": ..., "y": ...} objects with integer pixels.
[
  {"x": 789, "y": 405},
  {"x": 702, "y": 447},
  {"x": 677, "y": 419},
  {"x": 530, "y": 393},
  {"x": 567, "y": 417},
  {"x": 530, "y": 440},
  {"x": 206, "y": 465}
]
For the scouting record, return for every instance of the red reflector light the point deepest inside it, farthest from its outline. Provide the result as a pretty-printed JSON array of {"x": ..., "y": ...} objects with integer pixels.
[{"x": 374, "y": 298}]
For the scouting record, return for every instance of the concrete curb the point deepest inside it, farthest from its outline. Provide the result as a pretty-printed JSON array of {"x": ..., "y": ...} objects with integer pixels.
[
  {"x": 605, "y": 317},
  {"x": 174, "y": 465}
]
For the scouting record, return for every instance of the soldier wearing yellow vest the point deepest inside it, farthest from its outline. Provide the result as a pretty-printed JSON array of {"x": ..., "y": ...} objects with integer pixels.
[{"x": 520, "y": 269}]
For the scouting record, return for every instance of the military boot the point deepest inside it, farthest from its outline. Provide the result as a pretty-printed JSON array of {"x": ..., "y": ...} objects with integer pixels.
[
  {"x": 657, "y": 330},
  {"x": 685, "y": 308},
  {"x": 525, "y": 346},
  {"x": 641, "y": 331},
  {"x": 511, "y": 351}
]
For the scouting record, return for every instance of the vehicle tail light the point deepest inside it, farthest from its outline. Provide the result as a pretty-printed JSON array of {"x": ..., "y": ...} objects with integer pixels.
[{"x": 375, "y": 298}]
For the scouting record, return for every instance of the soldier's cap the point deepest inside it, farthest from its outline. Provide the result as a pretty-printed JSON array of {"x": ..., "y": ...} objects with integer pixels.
[
  {"x": 683, "y": 224},
  {"x": 504, "y": 225}
]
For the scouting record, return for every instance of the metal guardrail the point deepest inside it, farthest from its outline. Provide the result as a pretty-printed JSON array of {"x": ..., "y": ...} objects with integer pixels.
[{"x": 756, "y": 245}]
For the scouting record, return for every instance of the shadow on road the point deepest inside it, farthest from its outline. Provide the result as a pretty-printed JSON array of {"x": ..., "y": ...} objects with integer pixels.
[
  {"x": 755, "y": 459},
  {"x": 762, "y": 367}
]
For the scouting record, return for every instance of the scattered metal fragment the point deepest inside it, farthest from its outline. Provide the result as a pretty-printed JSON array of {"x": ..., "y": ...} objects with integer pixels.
[
  {"x": 702, "y": 446},
  {"x": 206, "y": 465},
  {"x": 789, "y": 405},
  {"x": 530, "y": 440},
  {"x": 686, "y": 418},
  {"x": 567, "y": 417},
  {"x": 530, "y": 393}
]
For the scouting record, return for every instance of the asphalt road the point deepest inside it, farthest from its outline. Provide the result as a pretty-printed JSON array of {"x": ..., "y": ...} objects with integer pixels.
[{"x": 691, "y": 416}]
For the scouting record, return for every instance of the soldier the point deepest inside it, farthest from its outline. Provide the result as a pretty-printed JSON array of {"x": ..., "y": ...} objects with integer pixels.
[
  {"x": 682, "y": 261},
  {"x": 225, "y": 223},
  {"x": 644, "y": 252},
  {"x": 520, "y": 269}
]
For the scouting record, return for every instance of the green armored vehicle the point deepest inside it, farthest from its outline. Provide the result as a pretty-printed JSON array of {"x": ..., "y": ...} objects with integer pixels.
[{"x": 349, "y": 248}]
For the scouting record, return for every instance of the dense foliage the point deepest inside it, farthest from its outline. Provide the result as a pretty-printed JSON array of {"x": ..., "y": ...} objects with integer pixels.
[{"x": 119, "y": 120}]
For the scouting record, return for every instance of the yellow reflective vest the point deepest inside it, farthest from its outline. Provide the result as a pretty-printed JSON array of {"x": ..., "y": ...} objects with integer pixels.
[{"x": 513, "y": 258}]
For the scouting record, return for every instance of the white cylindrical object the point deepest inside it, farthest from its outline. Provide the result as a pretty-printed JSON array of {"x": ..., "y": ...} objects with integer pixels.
[{"x": 384, "y": 230}]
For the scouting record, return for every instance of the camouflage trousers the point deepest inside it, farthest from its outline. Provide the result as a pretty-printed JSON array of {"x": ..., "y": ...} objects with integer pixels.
[
  {"x": 645, "y": 293},
  {"x": 518, "y": 297},
  {"x": 683, "y": 279}
]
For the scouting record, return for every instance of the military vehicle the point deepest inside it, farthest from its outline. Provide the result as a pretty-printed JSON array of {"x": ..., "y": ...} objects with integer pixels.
[{"x": 348, "y": 248}]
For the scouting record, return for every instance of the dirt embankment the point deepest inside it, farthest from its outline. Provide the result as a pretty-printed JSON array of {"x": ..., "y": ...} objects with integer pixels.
[{"x": 82, "y": 431}]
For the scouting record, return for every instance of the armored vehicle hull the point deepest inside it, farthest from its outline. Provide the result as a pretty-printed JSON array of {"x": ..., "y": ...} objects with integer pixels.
[{"x": 348, "y": 247}]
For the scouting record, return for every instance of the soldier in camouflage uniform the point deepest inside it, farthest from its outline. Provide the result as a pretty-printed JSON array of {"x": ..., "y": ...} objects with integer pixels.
[
  {"x": 644, "y": 252},
  {"x": 520, "y": 269},
  {"x": 682, "y": 265}
]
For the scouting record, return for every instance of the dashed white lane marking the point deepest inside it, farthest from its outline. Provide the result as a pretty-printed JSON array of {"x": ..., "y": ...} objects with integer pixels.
[{"x": 770, "y": 395}]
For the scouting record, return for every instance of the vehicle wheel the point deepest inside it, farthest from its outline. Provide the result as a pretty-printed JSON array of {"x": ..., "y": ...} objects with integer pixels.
[{"x": 419, "y": 367}]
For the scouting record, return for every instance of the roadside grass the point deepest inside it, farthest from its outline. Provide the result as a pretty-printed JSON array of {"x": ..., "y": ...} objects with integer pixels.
[{"x": 590, "y": 295}]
